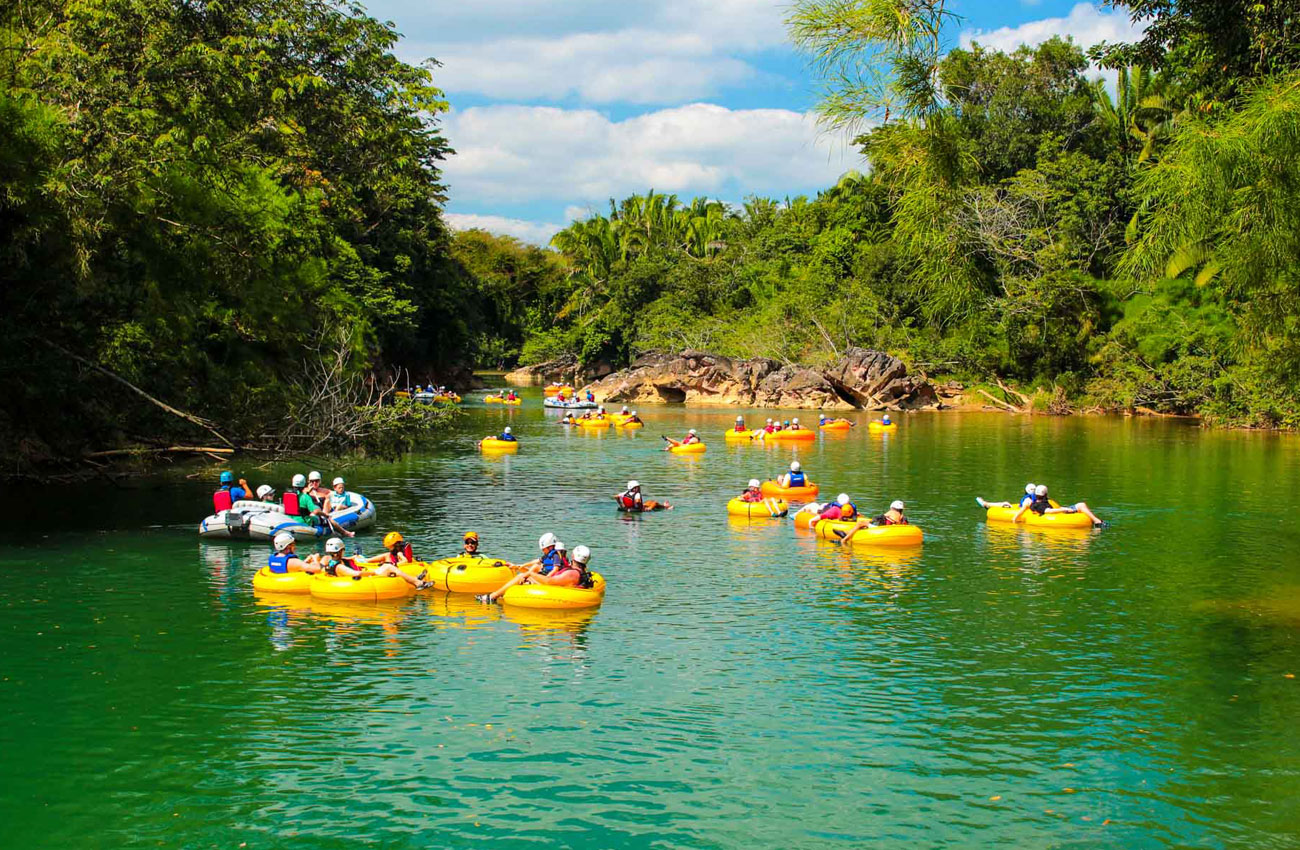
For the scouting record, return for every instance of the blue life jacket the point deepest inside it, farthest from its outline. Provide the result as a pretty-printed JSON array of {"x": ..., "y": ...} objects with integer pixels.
[
  {"x": 797, "y": 479},
  {"x": 1026, "y": 500},
  {"x": 279, "y": 562},
  {"x": 550, "y": 561},
  {"x": 509, "y": 438}
]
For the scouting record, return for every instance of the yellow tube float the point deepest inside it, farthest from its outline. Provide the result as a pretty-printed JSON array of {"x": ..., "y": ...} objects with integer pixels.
[
  {"x": 556, "y": 598},
  {"x": 364, "y": 589},
  {"x": 492, "y": 444},
  {"x": 265, "y": 581},
  {"x": 463, "y": 574},
  {"x": 881, "y": 535},
  {"x": 500, "y": 399},
  {"x": 837, "y": 425},
  {"x": 1076, "y": 520},
  {"x": 618, "y": 418},
  {"x": 733, "y": 436},
  {"x": 756, "y": 510},
  {"x": 806, "y": 493},
  {"x": 629, "y": 426},
  {"x": 688, "y": 449},
  {"x": 557, "y": 389},
  {"x": 877, "y": 427},
  {"x": 593, "y": 423},
  {"x": 792, "y": 434},
  {"x": 805, "y": 519}
]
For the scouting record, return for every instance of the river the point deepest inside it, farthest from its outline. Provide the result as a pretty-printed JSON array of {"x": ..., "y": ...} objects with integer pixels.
[{"x": 744, "y": 684}]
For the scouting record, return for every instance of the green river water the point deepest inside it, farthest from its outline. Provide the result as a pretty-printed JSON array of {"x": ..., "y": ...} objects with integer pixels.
[{"x": 744, "y": 684}]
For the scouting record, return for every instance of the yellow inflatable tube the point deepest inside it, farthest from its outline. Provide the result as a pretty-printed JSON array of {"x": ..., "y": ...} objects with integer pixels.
[
  {"x": 492, "y": 444},
  {"x": 837, "y": 425},
  {"x": 806, "y": 493},
  {"x": 364, "y": 589},
  {"x": 691, "y": 449},
  {"x": 554, "y": 598},
  {"x": 883, "y": 535},
  {"x": 754, "y": 510},
  {"x": 265, "y": 581},
  {"x": 1033, "y": 520},
  {"x": 733, "y": 436},
  {"x": 592, "y": 423},
  {"x": 629, "y": 426},
  {"x": 793, "y": 434},
  {"x": 463, "y": 574},
  {"x": 877, "y": 427}
]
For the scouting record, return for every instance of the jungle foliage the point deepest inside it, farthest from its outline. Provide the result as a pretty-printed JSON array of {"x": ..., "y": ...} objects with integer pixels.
[
  {"x": 1017, "y": 221},
  {"x": 208, "y": 201}
]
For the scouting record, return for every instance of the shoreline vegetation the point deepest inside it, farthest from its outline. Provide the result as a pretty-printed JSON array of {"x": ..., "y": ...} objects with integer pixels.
[{"x": 221, "y": 226}]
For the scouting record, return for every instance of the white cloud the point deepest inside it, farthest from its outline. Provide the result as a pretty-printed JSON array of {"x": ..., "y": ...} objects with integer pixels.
[
  {"x": 1086, "y": 24},
  {"x": 635, "y": 66},
  {"x": 534, "y": 232},
  {"x": 653, "y": 53},
  {"x": 519, "y": 154}
]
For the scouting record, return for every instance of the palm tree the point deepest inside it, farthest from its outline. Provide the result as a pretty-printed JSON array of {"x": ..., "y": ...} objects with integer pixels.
[{"x": 1142, "y": 112}]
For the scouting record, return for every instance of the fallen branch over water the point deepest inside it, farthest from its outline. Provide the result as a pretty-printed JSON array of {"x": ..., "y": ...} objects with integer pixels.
[
  {"x": 176, "y": 450},
  {"x": 999, "y": 402}
]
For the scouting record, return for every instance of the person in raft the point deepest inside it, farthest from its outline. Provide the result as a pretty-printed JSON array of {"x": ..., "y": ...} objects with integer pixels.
[
  {"x": 1025, "y": 500},
  {"x": 1042, "y": 505},
  {"x": 385, "y": 566},
  {"x": 632, "y": 417},
  {"x": 568, "y": 574},
  {"x": 506, "y": 436},
  {"x": 266, "y": 493},
  {"x": 591, "y": 396},
  {"x": 753, "y": 492},
  {"x": 884, "y": 420},
  {"x": 228, "y": 492},
  {"x": 770, "y": 427},
  {"x": 631, "y": 501},
  {"x": 469, "y": 546},
  {"x": 549, "y": 558},
  {"x": 740, "y": 425},
  {"x": 286, "y": 560},
  {"x": 842, "y": 509},
  {"x": 299, "y": 503},
  {"x": 795, "y": 426},
  {"x": 893, "y": 516},
  {"x": 316, "y": 488},
  {"x": 795, "y": 477},
  {"x": 340, "y": 499},
  {"x": 690, "y": 438},
  {"x": 569, "y": 419},
  {"x": 624, "y": 411}
]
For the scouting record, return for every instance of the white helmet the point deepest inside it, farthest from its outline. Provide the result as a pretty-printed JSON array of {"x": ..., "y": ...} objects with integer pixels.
[
  {"x": 753, "y": 484},
  {"x": 794, "y": 466},
  {"x": 1040, "y": 490},
  {"x": 561, "y": 546},
  {"x": 896, "y": 505},
  {"x": 692, "y": 431},
  {"x": 546, "y": 541},
  {"x": 1029, "y": 488},
  {"x": 740, "y": 419},
  {"x": 794, "y": 421},
  {"x": 633, "y": 484},
  {"x": 334, "y": 545},
  {"x": 634, "y": 413},
  {"x": 299, "y": 480},
  {"x": 842, "y": 499},
  {"x": 582, "y": 554},
  {"x": 507, "y": 429},
  {"x": 625, "y": 408},
  {"x": 338, "y": 481},
  {"x": 313, "y": 476},
  {"x": 283, "y": 541},
  {"x": 769, "y": 420},
  {"x": 264, "y": 491}
]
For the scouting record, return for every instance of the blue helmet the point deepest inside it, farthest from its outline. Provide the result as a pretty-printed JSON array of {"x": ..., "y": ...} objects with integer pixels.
[{"x": 227, "y": 477}]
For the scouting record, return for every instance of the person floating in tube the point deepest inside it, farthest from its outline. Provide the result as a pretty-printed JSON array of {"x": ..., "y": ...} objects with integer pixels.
[{"x": 631, "y": 501}]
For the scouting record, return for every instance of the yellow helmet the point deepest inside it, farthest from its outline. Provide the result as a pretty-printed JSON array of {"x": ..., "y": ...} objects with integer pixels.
[{"x": 392, "y": 538}]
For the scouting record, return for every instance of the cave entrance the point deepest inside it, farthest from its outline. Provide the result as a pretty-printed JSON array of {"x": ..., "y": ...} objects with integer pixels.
[{"x": 671, "y": 395}]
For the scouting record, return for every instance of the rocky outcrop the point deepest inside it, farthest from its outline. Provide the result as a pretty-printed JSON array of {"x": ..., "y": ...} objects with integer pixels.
[
  {"x": 563, "y": 368},
  {"x": 861, "y": 379}
]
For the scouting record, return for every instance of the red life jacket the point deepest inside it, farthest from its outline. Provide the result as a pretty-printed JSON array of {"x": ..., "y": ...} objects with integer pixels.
[
  {"x": 626, "y": 502},
  {"x": 290, "y": 502},
  {"x": 406, "y": 550},
  {"x": 221, "y": 500}
]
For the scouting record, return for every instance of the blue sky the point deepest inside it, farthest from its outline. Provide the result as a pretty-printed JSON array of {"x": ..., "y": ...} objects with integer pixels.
[{"x": 558, "y": 106}]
